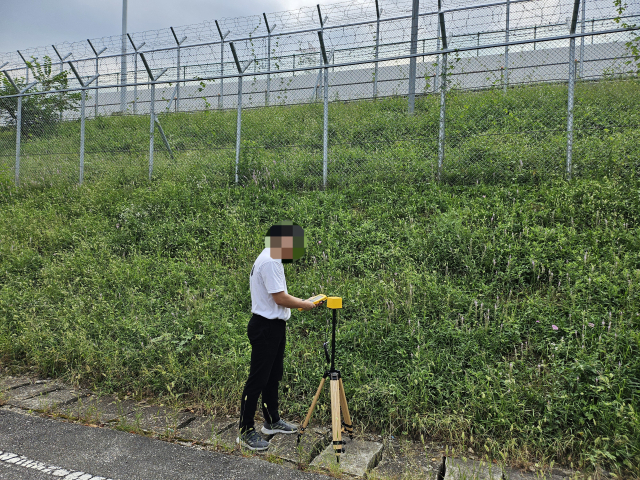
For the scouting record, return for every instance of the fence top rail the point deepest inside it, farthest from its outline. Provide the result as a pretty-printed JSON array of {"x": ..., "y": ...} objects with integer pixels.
[
  {"x": 339, "y": 65},
  {"x": 372, "y": 21}
]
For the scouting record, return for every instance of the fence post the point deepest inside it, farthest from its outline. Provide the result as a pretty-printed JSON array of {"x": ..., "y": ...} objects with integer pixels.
[
  {"x": 18, "y": 120},
  {"x": 27, "y": 65},
  {"x": 414, "y": 49},
  {"x": 222, "y": 37},
  {"x": 375, "y": 72},
  {"x": 123, "y": 60},
  {"x": 97, "y": 55},
  {"x": 572, "y": 81},
  {"x": 582, "y": 40},
  {"x": 325, "y": 124},
  {"x": 506, "y": 49},
  {"x": 83, "y": 97},
  {"x": 269, "y": 30},
  {"x": 62, "y": 59},
  {"x": 152, "y": 115},
  {"x": 179, "y": 43},
  {"x": 135, "y": 72},
  {"x": 443, "y": 92},
  {"x": 241, "y": 70}
]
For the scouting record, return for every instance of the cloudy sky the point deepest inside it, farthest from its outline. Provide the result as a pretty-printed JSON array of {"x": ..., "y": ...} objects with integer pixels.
[{"x": 34, "y": 23}]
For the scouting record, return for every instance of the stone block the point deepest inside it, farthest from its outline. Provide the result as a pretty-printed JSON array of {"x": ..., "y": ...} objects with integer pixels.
[
  {"x": 161, "y": 420},
  {"x": 360, "y": 457},
  {"x": 286, "y": 447},
  {"x": 206, "y": 429},
  {"x": 15, "y": 395},
  {"x": 97, "y": 409},
  {"x": 9, "y": 383},
  {"x": 466, "y": 469},
  {"x": 48, "y": 401}
]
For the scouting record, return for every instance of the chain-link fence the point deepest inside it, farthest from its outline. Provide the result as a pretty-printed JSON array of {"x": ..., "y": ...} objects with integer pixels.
[{"x": 376, "y": 91}]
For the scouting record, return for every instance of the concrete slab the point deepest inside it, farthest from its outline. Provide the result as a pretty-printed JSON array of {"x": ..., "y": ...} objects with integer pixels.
[
  {"x": 406, "y": 459},
  {"x": 160, "y": 420},
  {"x": 286, "y": 447},
  {"x": 466, "y": 469},
  {"x": 15, "y": 395},
  {"x": 49, "y": 401},
  {"x": 9, "y": 383},
  {"x": 360, "y": 456},
  {"x": 95, "y": 409},
  {"x": 205, "y": 429}
]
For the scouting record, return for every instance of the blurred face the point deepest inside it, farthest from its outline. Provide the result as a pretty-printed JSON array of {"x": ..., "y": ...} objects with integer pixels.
[
  {"x": 285, "y": 241},
  {"x": 282, "y": 248}
]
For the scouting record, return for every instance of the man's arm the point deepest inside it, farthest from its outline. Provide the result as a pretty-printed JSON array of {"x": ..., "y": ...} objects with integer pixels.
[{"x": 289, "y": 301}]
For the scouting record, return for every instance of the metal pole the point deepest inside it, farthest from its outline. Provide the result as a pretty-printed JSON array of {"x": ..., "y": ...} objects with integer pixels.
[
  {"x": 135, "y": 72},
  {"x": 269, "y": 30},
  {"x": 441, "y": 136},
  {"x": 241, "y": 71},
  {"x": 97, "y": 54},
  {"x": 478, "y": 43},
  {"x": 443, "y": 92},
  {"x": 238, "y": 125},
  {"x": 222, "y": 37},
  {"x": 82, "y": 105},
  {"x": 135, "y": 83},
  {"x": 535, "y": 31},
  {"x": 152, "y": 128},
  {"x": 506, "y": 49},
  {"x": 178, "y": 82},
  {"x": 18, "y": 133},
  {"x": 414, "y": 48},
  {"x": 375, "y": 72},
  {"x": 325, "y": 124},
  {"x": 437, "y": 75},
  {"x": 123, "y": 61},
  {"x": 320, "y": 76},
  {"x": 572, "y": 79},
  {"x": 179, "y": 43},
  {"x": 582, "y": 40},
  {"x": 26, "y": 63}
]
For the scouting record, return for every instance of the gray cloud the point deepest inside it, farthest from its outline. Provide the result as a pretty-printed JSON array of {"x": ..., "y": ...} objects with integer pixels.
[{"x": 35, "y": 23}]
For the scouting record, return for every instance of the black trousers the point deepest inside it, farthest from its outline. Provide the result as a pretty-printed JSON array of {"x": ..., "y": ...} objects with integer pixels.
[{"x": 268, "y": 339}]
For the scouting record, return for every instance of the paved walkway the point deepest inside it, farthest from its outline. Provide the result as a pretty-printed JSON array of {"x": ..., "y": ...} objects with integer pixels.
[
  {"x": 40, "y": 448},
  {"x": 33, "y": 447}
]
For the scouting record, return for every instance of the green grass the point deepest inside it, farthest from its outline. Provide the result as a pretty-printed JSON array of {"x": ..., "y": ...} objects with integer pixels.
[
  {"x": 450, "y": 291},
  {"x": 144, "y": 289},
  {"x": 491, "y": 137}
]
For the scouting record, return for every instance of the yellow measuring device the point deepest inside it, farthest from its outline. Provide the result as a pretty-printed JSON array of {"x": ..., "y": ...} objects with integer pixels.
[{"x": 317, "y": 299}]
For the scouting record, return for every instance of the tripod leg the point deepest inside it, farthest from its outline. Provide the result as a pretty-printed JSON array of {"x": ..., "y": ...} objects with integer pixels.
[
  {"x": 335, "y": 416},
  {"x": 348, "y": 425},
  {"x": 313, "y": 405}
]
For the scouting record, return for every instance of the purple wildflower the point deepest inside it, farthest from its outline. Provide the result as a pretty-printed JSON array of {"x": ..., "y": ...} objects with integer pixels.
[{"x": 555, "y": 327}]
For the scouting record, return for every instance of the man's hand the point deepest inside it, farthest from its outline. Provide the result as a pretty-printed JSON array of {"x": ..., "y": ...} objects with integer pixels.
[
  {"x": 285, "y": 300},
  {"x": 307, "y": 305}
]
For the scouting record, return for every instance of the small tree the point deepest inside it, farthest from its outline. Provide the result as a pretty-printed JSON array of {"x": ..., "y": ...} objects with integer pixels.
[
  {"x": 39, "y": 112},
  {"x": 633, "y": 45}
]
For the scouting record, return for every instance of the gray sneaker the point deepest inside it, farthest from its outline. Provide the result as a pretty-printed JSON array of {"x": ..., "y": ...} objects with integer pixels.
[
  {"x": 279, "y": 427},
  {"x": 252, "y": 440}
]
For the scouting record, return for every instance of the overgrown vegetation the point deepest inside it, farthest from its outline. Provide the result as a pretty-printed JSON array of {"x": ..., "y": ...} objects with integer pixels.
[
  {"x": 491, "y": 137},
  {"x": 40, "y": 113},
  {"x": 502, "y": 316}
]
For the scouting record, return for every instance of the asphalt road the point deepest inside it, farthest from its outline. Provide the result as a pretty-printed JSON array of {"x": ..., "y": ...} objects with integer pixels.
[{"x": 43, "y": 449}]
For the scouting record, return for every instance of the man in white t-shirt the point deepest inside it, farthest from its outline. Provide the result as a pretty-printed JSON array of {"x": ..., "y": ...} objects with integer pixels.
[{"x": 271, "y": 306}]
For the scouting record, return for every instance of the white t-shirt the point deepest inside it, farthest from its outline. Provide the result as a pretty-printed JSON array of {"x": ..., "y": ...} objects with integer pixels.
[{"x": 267, "y": 277}]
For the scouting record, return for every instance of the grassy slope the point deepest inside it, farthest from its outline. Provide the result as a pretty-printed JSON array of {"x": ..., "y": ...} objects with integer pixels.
[
  {"x": 491, "y": 136},
  {"x": 143, "y": 288}
]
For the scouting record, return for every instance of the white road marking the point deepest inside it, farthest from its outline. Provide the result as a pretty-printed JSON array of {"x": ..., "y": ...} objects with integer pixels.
[{"x": 22, "y": 461}]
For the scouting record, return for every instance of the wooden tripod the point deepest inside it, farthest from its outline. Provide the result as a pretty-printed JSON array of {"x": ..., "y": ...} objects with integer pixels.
[{"x": 339, "y": 406}]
